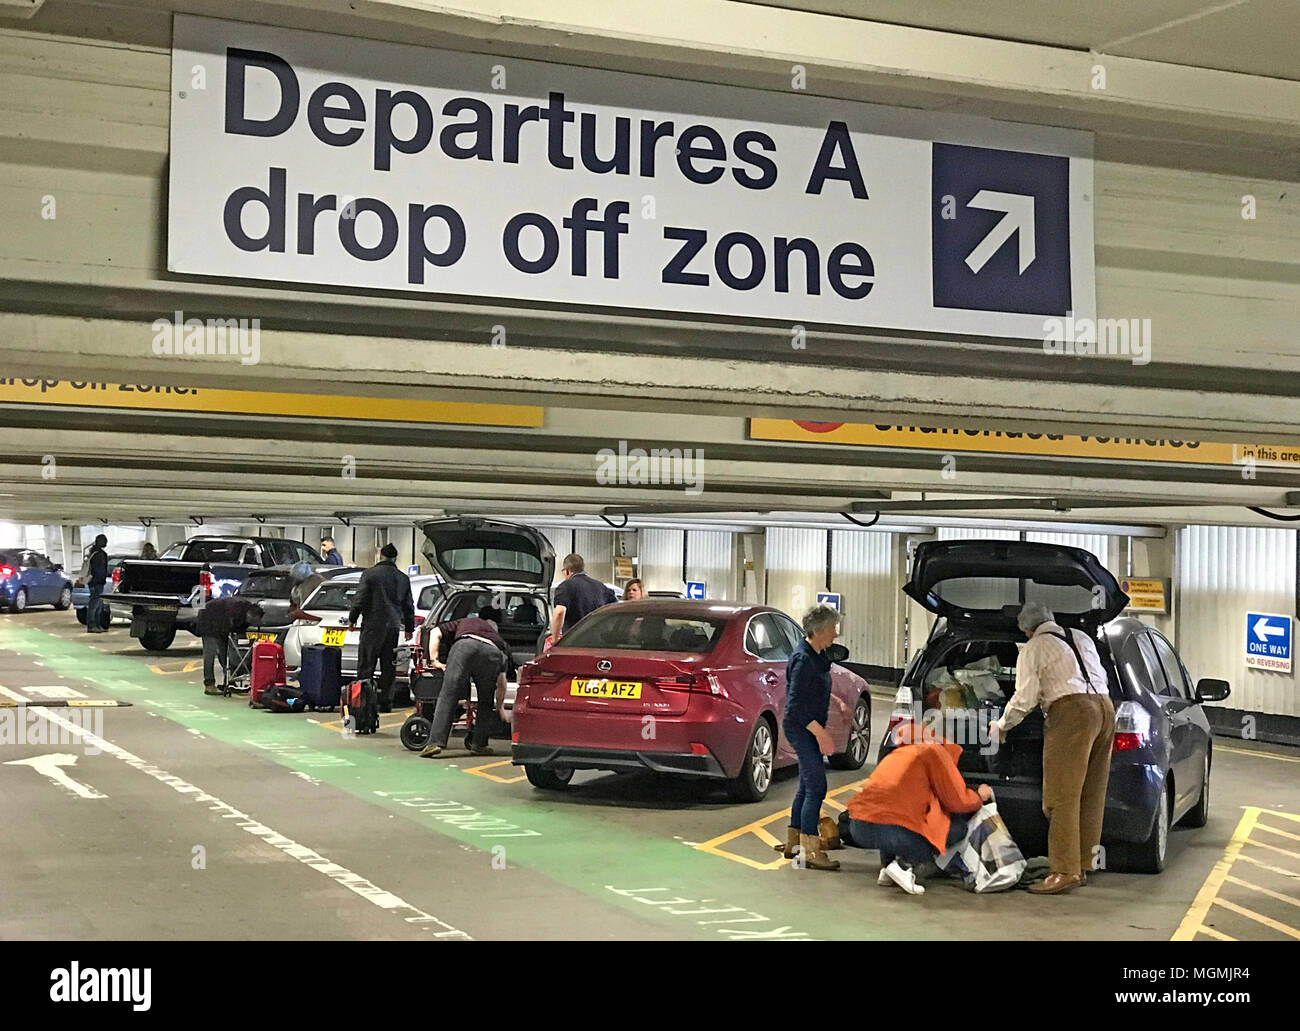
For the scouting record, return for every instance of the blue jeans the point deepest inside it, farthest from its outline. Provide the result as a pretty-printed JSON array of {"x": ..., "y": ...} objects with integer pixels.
[
  {"x": 900, "y": 843},
  {"x": 95, "y": 608},
  {"x": 807, "y": 808}
]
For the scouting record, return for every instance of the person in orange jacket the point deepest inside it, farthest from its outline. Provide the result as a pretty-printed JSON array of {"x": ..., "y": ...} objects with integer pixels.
[{"x": 913, "y": 806}]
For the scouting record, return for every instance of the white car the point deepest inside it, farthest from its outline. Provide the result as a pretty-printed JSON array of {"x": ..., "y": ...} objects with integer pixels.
[{"x": 323, "y": 619}]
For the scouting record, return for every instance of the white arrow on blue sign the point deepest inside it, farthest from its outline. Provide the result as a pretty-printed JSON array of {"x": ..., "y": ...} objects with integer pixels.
[
  {"x": 829, "y": 598},
  {"x": 1268, "y": 641},
  {"x": 695, "y": 589}
]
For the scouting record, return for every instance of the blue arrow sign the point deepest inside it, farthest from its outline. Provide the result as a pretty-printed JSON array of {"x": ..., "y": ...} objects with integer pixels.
[
  {"x": 1268, "y": 641},
  {"x": 829, "y": 598},
  {"x": 695, "y": 589}
]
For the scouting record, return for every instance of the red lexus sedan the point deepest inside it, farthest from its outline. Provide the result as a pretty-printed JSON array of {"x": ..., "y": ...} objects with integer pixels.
[{"x": 675, "y": 686}]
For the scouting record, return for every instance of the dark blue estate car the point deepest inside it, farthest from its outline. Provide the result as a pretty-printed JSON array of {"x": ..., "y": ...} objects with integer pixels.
[
  {"x": 1161, "y": 759},
  {"x": 29, "y": 578}
]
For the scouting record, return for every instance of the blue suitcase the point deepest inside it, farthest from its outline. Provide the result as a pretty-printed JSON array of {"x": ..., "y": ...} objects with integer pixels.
[{"x": 321, "y": 676}]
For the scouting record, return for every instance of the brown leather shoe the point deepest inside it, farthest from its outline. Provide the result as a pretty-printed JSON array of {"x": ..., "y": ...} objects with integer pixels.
[
  {"x": 1057, "y": 884},
  {"x": 791, "y": 843},
  {"x": 814, "y": 857}
]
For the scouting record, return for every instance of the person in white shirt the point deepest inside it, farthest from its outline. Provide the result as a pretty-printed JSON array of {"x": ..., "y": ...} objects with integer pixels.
[{"x": 1064, "y": 676}]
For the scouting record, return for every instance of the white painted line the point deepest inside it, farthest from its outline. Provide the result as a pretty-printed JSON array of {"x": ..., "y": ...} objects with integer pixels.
[
  {"x": 308, "y": 857},
  {"x": 51, "y": 765},
  {"x": 53, "y": 691}
]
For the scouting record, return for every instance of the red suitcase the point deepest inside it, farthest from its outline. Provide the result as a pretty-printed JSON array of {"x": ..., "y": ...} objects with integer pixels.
[{"x": 268, "y": 669}]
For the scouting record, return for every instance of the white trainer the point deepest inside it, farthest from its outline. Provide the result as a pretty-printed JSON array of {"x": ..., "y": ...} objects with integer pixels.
[
  {"x": 904, "y": 878},
  {"x": 884, "y": 880}
]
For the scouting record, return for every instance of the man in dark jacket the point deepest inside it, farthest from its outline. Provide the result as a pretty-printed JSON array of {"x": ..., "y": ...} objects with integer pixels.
[
  {"x": 329, "y": 552},
  {"x": 98, "y": 577},
  {"x": 476, "y": 652},
  {"x": 383, "y": 604},
  {"x": 218, "y": 620},
  {"x": 575, "y": 597}
]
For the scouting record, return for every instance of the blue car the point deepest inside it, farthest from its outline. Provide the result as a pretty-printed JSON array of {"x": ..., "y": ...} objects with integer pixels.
[
  {"x": 29, "y": 578},
  {"x": 965, "y": 674}
]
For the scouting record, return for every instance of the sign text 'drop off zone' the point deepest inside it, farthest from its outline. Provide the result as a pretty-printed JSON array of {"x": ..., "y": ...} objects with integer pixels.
[{"x": 313, "y": 158}]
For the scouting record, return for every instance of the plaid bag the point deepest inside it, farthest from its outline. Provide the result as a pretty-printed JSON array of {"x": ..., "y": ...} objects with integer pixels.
[{"x": 987, "y": 859}]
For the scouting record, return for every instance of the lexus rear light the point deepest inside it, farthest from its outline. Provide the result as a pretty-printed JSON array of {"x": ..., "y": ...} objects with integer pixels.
[
  {"x": 705, "y": 683},
  {"x": 298, "y": 616},
  {"x": 1132, "y": 727}
]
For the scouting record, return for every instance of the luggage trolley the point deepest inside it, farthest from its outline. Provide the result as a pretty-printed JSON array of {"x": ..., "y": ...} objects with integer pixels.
[
  {"x": 238, "y": 680},
  {"x": 424, "y": 692}
]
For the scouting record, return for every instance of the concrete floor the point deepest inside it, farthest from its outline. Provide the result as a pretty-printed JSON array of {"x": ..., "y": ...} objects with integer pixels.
[{"x": 197, "y": 817}]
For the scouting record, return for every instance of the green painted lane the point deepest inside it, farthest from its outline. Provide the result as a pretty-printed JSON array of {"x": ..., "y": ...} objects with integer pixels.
[{"x": 698, "y": 895}]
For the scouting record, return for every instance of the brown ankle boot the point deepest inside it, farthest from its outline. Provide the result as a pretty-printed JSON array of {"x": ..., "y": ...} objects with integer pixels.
[
  {"x": 791, "y": 843},
  {"x": 814, "y": 857}
]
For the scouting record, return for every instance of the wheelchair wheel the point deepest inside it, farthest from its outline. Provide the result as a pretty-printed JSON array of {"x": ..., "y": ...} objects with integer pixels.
[{"x": 415, "y": 732}]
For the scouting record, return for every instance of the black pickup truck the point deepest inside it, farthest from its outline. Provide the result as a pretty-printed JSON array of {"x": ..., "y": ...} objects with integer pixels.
[{"x": 165, "y": 595}]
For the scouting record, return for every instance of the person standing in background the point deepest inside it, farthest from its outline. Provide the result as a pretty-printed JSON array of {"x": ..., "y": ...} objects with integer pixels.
[
  {"x": 578, "y": 595},
  {"x": 330, "y": 553},
  {"x": 98, "y": 577},
  {"x": 383, "y": 604},
  {"x": 149, "y": 553},
  {"x": 633, "y": 590}
]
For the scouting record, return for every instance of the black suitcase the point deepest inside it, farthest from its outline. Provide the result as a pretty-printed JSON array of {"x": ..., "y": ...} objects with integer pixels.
[
  {"x": 321, "y": 675},
  {"x": 359, "y": 707}
]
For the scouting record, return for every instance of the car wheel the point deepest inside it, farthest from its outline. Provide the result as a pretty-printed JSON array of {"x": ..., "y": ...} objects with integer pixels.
[
  {"x": 854, "y": 756},
  {"x": 1149, "y": 855},
  {"x": 756, "y": 774},
  {"x": 81, "y": 616},
  {"x": 1199, "y": 814},
  {"x": 65, "y": 599},
  {"x": 547, "y": 777},
  {"x": 19, "y": 604},
  {"x": 415, "y": 732},
  {"x": 157, "y": 640}
]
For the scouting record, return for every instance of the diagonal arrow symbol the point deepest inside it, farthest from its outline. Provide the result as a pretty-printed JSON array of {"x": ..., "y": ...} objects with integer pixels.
[{"x": 1018, "y": 217}]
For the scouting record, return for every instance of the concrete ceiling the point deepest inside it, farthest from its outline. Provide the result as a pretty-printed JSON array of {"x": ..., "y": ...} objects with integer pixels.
[{"x": 1255, "y": 37}]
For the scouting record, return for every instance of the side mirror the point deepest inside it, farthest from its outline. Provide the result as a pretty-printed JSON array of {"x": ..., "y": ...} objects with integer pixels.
[
  {"x": 1209, "y": 690},
  {"x": 58, "y": 567},
  {"x": 837, "y": 653}
]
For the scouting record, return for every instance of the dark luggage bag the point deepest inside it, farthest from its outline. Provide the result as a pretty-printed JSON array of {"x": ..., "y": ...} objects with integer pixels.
[
  {"x": 359, "y": 707},
  {"x": 284, "y": 698},
  {"x": 321, "y": 675}
]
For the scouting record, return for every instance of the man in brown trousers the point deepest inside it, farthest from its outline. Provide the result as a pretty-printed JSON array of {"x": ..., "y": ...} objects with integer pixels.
[{"x": 1061, "y": 671}]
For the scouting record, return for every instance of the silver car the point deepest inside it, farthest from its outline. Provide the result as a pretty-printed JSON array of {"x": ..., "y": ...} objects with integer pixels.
[{"x": 323, "y": 619}]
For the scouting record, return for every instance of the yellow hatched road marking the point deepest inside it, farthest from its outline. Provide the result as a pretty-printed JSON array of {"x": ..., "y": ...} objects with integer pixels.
[
  {"x": 1275, "y": 830},
  {"x": 1257, "y": 755},
  {"x": 1194, "y": 922},
  {"x": 759, "y": 828},
  {"x": 1266, "y": 891},
  {"x": 192, "y": 666},
  {"x": 481, "y": 771},
  {"x": 1276, "y": 925}
]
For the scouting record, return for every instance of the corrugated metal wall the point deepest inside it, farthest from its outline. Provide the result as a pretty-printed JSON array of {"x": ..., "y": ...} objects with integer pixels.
[
  {"x": 796, "y": 568},
  {"x": 866, "y": 570},
  {"x": 661, "y": 559},
  {"x": 1224, "y": 572},
  {"x": 597, "y": 550},
  {"x": 711, "y": 557}
]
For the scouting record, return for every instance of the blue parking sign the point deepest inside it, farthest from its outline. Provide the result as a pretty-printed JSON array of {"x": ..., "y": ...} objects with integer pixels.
[{"x": 1268, "y": 641}]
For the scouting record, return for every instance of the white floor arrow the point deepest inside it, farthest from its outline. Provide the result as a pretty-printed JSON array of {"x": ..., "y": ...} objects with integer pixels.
[
  {"x": 1018, "y": 217},
  {"x": 51, "y": 765}
]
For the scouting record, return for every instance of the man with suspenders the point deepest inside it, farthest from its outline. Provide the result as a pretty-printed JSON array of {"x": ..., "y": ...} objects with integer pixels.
[{"x": 1061, "y": 671}]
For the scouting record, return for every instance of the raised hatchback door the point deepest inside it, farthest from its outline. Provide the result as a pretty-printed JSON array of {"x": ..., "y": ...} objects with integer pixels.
[
  {"x": 984, "y": 582},
  {"x": 485, "y": 551}
]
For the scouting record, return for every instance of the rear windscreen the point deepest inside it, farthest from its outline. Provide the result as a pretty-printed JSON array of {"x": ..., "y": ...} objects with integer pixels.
[
  {"x": 991, "y": 594},
  {"x": 278, "y": 585},
  {"x": 334, "y": 597},
  {"x": 214, "y": 551},
  {"x": 629, "y": 631},
  {"x": 476, "y": 560}
]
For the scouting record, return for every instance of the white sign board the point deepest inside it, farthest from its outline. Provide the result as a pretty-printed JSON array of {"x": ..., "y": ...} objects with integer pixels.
[{"x": 302, "y": 157}]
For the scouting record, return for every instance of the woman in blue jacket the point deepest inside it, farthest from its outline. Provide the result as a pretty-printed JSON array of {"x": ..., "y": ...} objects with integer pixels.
[{"x": 807, "y": 705}]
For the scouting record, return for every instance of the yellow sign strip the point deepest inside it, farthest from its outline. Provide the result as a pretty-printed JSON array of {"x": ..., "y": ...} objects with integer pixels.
[
  {"x": 147, "y": 397},
  {"x": 998, "y": 442}
]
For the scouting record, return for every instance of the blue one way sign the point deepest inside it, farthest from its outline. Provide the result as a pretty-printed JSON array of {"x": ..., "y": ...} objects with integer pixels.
[
  {"x": 695, "y": 589},
  {"x": 830, "y": 598},
  {"x": 1268, "y": 641}
]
